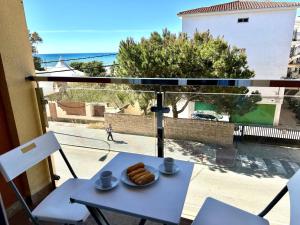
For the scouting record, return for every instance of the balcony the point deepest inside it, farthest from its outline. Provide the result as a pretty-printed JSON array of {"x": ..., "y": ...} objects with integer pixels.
[{"x": 236, "y": 155}]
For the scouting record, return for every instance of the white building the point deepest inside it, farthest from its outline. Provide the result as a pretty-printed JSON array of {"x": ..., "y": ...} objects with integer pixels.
[
  {"x": 294, "y": 62},
  {"x": 263, "y": 29},
  {"x": 60, "y": 69}
]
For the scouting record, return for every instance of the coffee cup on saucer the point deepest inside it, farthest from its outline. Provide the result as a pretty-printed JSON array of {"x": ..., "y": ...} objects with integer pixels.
[
  {"x": 169, "y": 164},
  {"x": 106, "y": 178}
]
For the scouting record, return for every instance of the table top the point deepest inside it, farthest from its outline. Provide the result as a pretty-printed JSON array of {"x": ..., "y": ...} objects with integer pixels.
[{"x": 162, "y": 201}]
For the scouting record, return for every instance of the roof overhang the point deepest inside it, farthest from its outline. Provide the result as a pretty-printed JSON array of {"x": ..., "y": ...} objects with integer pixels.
[{"x": 238, "y": 11}]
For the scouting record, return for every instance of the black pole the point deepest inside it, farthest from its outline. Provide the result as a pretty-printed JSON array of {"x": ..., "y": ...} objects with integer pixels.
[
  {"x": 160, "y": 128},
  {"x": 159, "y": 111}
]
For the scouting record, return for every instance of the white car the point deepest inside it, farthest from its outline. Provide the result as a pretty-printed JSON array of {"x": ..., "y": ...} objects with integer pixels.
[{"x": 210, "y": 115}]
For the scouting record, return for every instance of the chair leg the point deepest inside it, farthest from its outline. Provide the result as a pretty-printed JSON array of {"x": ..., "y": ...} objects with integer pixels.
[
  {"x": 103, "y": 217},
  {"x": 142, "y": 222},
  {"x": 95, "y": 214}
]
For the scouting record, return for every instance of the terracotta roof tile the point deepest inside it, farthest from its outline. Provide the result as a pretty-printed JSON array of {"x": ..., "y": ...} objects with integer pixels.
[{"x": 240, "y": 5}]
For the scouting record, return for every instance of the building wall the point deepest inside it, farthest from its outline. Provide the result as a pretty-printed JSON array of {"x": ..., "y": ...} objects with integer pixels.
[
  {"x": 182, "y": 129},
  {"x": 211, "y": 132},
  {"x": 187, "y": 112},
  {"x": 266, "y": 37},
  {"x": 17, "y": 60}
]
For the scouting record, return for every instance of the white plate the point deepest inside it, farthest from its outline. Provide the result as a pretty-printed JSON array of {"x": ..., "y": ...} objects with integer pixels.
[
  {"x": 114, "y": 183},
  {"x": 151, "y": 169},
  {"x": 162, "y": 169}
]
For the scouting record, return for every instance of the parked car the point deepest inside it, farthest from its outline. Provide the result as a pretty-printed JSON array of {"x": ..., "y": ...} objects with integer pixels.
[{"x": 210, "y": 115}]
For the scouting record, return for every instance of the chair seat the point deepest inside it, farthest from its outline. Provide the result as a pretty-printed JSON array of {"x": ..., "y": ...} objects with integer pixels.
[
  {"x": 56, "y": 207},
  {"x": 214, "y": 212}
]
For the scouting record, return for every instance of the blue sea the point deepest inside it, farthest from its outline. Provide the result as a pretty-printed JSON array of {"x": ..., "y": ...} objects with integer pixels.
[{"x": 50, "y": 60}]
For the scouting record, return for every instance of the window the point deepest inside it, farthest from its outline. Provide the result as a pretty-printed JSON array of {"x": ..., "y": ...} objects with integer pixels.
[{"x": 243, "y": 20}]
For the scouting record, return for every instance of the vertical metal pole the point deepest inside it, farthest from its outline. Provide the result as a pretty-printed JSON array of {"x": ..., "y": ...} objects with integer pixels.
[
  {"x": 242, "y": 132},
  {"x": 42, "y": 110},
  {"x": 160, "y": 128},
  {"x": 44, "y": 123}
]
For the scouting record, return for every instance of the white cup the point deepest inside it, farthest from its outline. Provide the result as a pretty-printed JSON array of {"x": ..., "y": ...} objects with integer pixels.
[
  {"x": 106, "y": 177},
  {"x": 169, "y": 164}
]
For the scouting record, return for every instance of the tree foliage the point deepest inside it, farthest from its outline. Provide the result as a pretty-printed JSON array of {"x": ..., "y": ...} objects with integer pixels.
[
  {"x": 35, "y": 39},
  {"x": 91, "y": 69},
  {"x": 169, "y": 55}
]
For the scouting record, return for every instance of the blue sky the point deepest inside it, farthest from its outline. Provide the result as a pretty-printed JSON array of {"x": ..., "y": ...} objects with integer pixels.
[{"x": 75, "y": 26}]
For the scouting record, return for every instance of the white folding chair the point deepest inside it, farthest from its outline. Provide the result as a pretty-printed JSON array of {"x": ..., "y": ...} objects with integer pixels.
[
  {"x": 56, "y": 207},
  {"x": 214, "y": 212}
]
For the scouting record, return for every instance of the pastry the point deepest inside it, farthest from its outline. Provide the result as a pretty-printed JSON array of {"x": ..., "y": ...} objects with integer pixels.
[
  {"x": 135, "y": 167},
  {"x": 145, "y": 179},
  {"x": 135, "y": 172},
  {"x": 135, "y": 177},
  {"x": 139, "y": 175}
]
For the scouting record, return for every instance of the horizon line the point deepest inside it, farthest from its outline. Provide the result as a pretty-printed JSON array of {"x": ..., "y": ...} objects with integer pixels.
[{"x": 56, "y": 53}]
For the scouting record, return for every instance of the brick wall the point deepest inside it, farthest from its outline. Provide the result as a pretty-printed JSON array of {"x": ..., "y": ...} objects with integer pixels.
[
  {"x": 131, "y": 124},
  {"x": 73, "y": 108},
  {"x": 199, "y": 130},
  {"x": 182, "y": 129}
]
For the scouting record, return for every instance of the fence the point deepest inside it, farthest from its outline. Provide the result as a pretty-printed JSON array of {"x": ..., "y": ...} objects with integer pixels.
[{"x": 268, "y": 132}]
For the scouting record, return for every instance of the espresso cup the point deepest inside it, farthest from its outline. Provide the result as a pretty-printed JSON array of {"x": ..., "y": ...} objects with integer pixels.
[
  {"x": 169, "y": 164},
  {"x": 106, "y": 177}
]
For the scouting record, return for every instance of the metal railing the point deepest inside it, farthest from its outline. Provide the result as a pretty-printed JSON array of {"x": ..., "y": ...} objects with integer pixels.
[
  {"x": 159, "y": 110},
  {"x": 172, "y": 81}
]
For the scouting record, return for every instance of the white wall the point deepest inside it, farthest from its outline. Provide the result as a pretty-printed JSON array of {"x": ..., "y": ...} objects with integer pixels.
[
  {"x": 187, "y": 113},
  {"x": 266, "y": 37}
]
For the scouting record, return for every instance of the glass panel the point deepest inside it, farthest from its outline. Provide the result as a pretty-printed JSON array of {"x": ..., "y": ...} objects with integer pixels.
[
  {"x": 243, "y": 145},
  {"x": 80, "y": 115}
]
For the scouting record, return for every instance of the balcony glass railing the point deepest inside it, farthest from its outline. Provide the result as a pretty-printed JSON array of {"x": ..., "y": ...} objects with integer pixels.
[
  {"x": 80, "y": 115},
  {"x": 245, "y": 145}
]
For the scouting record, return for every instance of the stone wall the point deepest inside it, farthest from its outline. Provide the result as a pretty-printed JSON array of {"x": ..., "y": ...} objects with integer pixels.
[
  {"x": 182, "y": 129},
  {"x": 131, "y": 124},
  {"x": 73, "y": 108},
  {"x": 199, "y": 130}
]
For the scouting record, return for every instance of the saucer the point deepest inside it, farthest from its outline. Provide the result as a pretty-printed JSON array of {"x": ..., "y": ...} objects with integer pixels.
[
  {"x": 162, "y": 169},
  {"x": 114, "y": 183}
]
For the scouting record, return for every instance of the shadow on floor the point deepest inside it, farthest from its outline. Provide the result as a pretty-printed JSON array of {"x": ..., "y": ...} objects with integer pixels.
[{"x": 250, "y": 159}]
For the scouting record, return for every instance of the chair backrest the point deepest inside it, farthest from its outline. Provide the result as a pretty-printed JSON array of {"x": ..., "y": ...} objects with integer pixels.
[
  {"x": 18, "y": 160},
  {"x": 294, "y": 192}
]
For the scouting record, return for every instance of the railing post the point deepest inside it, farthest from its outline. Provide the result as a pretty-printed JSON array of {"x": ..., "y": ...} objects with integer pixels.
[
  {"x": 41, "y": 102},
  {"x": 41, "y": 105},
  {"x": 242, "y": 132},
  {"x": 160, "y": 126},
  {"x": 160, "y": 110}
]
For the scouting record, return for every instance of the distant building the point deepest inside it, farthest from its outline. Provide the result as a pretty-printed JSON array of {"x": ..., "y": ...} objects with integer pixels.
[
  {"x": 61, "y": 69},
  {"x": 294, "y": 61},
  {"x": 263, "y": 29}
]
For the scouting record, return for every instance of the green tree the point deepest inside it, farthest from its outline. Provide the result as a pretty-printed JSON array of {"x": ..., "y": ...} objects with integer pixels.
[
  {"x": 92, "y": 69},
  {"x": 167, "y": 55},
  {"x": 35, "y": 39}
]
